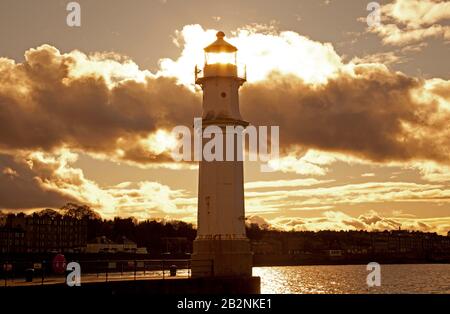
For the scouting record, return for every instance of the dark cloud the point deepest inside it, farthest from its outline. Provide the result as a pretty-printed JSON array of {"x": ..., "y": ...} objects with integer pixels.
[
  {"x": 55, "y": 100},
  {"x": 21, "y": 188},
  {"x": 371, "y": 114},
  {"x": 44, "y": 106}
]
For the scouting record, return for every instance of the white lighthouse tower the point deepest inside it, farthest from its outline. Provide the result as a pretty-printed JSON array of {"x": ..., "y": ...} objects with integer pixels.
[{"x": 221, "y": 247}]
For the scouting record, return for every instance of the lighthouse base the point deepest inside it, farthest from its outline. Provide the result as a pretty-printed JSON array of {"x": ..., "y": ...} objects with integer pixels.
[{"x": 221, "y": 258}]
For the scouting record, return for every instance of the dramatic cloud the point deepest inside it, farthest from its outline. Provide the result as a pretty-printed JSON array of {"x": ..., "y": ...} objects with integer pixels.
[
  {"x": 371, "y": 221},
  {"x": 96, "y": 104},
  {"x": 419, "y": 12},
  {"x": 410, "y": 21},
  {"x": 433, "y": 172},
  {"x": 311, "y": 162},
  {"x": 104, "y": 105},
  {"x": 303, "y": 198},
  {"x": 262, "y": 50},
  {"x": 372, "y": 113},
  {"x": 20, "y": 187},
  {"x": 364, "y": 109},
  {"x": 35, "y": 180}
]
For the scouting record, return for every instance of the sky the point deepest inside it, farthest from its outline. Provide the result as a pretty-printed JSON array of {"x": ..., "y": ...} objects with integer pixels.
[{"x": 363, "y": 111}]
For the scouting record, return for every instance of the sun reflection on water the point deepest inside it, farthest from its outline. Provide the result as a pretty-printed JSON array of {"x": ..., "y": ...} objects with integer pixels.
[{"x": 344, "y": 279}]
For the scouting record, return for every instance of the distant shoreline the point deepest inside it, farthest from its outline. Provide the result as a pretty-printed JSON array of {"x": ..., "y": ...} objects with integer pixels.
[{"x": 260, "y": 262}]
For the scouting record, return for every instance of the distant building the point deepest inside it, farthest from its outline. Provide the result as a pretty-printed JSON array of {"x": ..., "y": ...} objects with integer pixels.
[
  {"x": 380, "y": 242},
  {"x": 12, "y": 240},
  {"x": 42, "y": 234},
  {"x": 176, "y": 245},
  {"x": 266, "y": 246},
  {"x": 293, "y": 245},
  {"x": 335, "y": 253},
  {"x": 105, "y": 245}
]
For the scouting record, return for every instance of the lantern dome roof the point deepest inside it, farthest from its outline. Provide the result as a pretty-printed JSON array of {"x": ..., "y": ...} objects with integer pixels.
[{"x": 220, "y": 45}]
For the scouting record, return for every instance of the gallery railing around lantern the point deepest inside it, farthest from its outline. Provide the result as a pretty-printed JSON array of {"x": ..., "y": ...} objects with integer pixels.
[{"x": 220, "y": 70}]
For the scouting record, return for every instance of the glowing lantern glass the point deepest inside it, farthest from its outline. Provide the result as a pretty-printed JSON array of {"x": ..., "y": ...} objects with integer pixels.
[{"x": 220, "y": 51}]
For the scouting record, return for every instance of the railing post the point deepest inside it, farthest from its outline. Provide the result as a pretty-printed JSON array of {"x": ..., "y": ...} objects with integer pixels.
[
  {"x": 188, "y": 262},
  {"x": 42, "y": 272},
  {"x": 195, "y": 77},
  {"x": 163, "y": 268},
  {"x": 135, "y": 265}
]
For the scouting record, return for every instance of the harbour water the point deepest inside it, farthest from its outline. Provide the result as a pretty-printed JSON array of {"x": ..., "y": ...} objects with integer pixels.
[{"x": 344, "y": 279}]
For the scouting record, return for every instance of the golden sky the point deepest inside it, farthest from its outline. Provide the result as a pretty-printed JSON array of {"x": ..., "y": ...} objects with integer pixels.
[{"x": 86, "y": 112}]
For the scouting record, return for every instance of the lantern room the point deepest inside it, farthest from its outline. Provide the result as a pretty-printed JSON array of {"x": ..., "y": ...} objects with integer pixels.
[
  {"x": 220, "y": 52},
  {"x": 220, "y": 61}
]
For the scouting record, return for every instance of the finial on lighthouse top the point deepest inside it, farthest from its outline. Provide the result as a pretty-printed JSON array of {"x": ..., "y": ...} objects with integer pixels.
[{"x": 220, "y": 45}]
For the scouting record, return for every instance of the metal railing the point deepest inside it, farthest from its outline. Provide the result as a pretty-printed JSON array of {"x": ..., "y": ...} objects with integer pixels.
[{"x": 19, "y": 272}]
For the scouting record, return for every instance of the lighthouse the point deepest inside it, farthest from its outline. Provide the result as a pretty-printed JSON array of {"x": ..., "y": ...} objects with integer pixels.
[{"x": 221, "y": 247}]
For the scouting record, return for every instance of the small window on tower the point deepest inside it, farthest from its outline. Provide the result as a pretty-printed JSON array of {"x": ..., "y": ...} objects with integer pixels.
[{"x": 223, "y": 94}]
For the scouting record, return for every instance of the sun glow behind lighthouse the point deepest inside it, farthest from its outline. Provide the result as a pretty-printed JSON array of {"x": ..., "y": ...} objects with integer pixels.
[
  {"x": 220, "y": 58},
  {"x": 285, "y": 53}
]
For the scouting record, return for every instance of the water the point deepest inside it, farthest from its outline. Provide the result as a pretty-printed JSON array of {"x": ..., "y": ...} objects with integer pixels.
[{"x": 343, "y": 279}]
